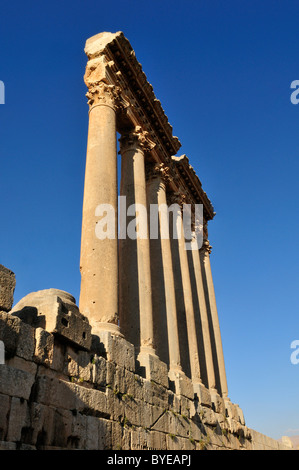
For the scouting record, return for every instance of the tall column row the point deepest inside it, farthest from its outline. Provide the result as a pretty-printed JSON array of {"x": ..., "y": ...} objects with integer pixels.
[{"x": 145, "y": 287}]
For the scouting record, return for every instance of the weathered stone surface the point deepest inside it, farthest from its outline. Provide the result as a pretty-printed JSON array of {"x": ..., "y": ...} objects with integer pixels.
[
  {"x": 182, "y": 383},
  {"x": 56, "y": 312},
  {"x": 116, "y": 349},
  {"x": 7, "y": 288},
  {"x": 44, "y": 347},
  {"x": 18, "y": 419},
  {"x": 4, "y": 414},
  {"x": 15, "y": 383}
]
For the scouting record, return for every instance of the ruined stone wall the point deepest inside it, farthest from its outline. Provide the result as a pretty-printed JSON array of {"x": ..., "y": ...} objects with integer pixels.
[{"x": 56, "y": 395}]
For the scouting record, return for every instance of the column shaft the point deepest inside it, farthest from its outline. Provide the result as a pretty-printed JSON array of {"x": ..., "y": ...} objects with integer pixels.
[
  {"x": 204, "y": 318},
  {"x": 99, "y": 257},
  {"x": 163, "y": 278},
  {"x": 215, "y": 320},
  {"x": 135, "y": 276},
  {"x": 191, "y": 324}
]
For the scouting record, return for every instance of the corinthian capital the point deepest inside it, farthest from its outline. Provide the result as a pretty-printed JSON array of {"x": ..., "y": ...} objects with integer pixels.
[
  {"x": 155, "y": 170},
  {"x": 136, "y": 139},
  {"x": 100, "y": 93},
  {"x": 177, "y": 198}
]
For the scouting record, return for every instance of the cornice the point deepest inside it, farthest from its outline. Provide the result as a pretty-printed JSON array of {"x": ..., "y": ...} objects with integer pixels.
[
  {"x": 193, "y": 184},
  {"x": 123, "y": 69}
]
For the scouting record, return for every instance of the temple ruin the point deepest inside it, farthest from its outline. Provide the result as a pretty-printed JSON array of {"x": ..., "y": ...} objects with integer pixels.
[{"x": 138, "y": 364}]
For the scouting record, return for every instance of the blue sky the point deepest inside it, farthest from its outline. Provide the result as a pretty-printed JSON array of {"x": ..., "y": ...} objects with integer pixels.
[{"x": 222, "y": 70}]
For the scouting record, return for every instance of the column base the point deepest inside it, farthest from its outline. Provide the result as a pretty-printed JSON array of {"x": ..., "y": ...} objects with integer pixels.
[
  {"x": 151, "y": 367},
  {"x": 203, "y": 394},
  {"x": 182, "y": 383}
]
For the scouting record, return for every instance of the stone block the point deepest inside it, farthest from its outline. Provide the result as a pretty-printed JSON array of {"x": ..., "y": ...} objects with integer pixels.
[
  {"x": 26, "y": 342},
  {"x": 208, "y": 416},
  {"x": 203, "y": 395},
  {"x": 105, "y": 434},
  {"x": 44, "y": 347},
  {"x": 115, "y": 349},
  {"x": 4, "y": 413},
  {"x": 182, "y": 383},
  {"x": 99, "y": 371},
  {"x": 10, "y": 328},
  {"x": 21, "y": 364},
  {"x": 56, "y": 312},
  {"x": 152, "y": 368},
  {"x": 15, "y": 382},
  {"x": 90, "y": 401},
  {"x": 85, "y": 366},
  {"x": 18, "y": 419},
  {"x": 217, "y": 402},
  {"x": 54, "y": 392},
  {"x": 7, "y": 288}
]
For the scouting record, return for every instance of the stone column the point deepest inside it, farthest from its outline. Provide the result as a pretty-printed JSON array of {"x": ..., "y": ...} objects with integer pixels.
[
  {"x": 203, "y": 316},
  {"x": 99, "y": 257},
  {"x": 136, "y": 312},
  {"x": 211, "y": 299},
  {"x": 199, "y": 388},
  {"x": 162, "y": 279}
]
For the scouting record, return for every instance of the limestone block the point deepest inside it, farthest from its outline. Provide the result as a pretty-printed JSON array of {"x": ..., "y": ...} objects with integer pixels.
[
  {"x": 56, "y": 312},
  {"x": 182, "y": 383},
  {"x": 7, "y": 288},
  {"x": 4, "y": 411},
  {"x": 155, "y": 394},
  {"x": 62, "y": 428},
  {"x": 99, "y": 371},
  {"x": 121, "y": 379},
  {"x": 203, "y": 395},
  {"x": 116, "y": 349},
  {"x": 140, "y": 439},
  {"x": 20, "y": 363},
  {"x": 90, "y": 401},
  {"x": 44, "y": 347},
  {"x": 208, "y": 416},
  {"x": 16, "y": 383},
  {"x": 115, "y": 405},
  {"x": 85, "y": 366},
  {"x": 26, "y": 342},
  {"x": 77, "y": 439},
  {"x": 153, "y": 369},
  {"x": 157, "y": 440},
  {"x": 92, "y": 433},
  {"x": 10, "y": 328},
  {"x": 105, "y": 434},
  {"x": 54, "y": 392},
  {"x": 218, "y": 402},
  {"x": 18, "y": 419}
]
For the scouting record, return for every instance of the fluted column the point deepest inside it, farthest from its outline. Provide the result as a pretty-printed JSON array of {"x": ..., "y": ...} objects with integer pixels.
[
  {"x": 162, "y": 269},
  {"x": 210, "y": 295},
  {"x": 136, "y": 315},
  {"x": 203, "y": 315},
  {"x": 187, "y": 290},
  {"x": 99, "y": 256}
]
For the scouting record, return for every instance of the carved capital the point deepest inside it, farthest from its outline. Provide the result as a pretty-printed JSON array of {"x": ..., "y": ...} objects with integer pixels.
[
  {"x": 100, "y": 93},
  {"x": 136, "y": 139},
  {"x": 177, "y": 198},
  {"x": 158, "y": 170}
]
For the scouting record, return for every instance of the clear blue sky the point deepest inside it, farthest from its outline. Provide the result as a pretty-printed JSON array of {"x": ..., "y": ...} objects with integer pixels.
[{"x": 222, "y": 70}]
